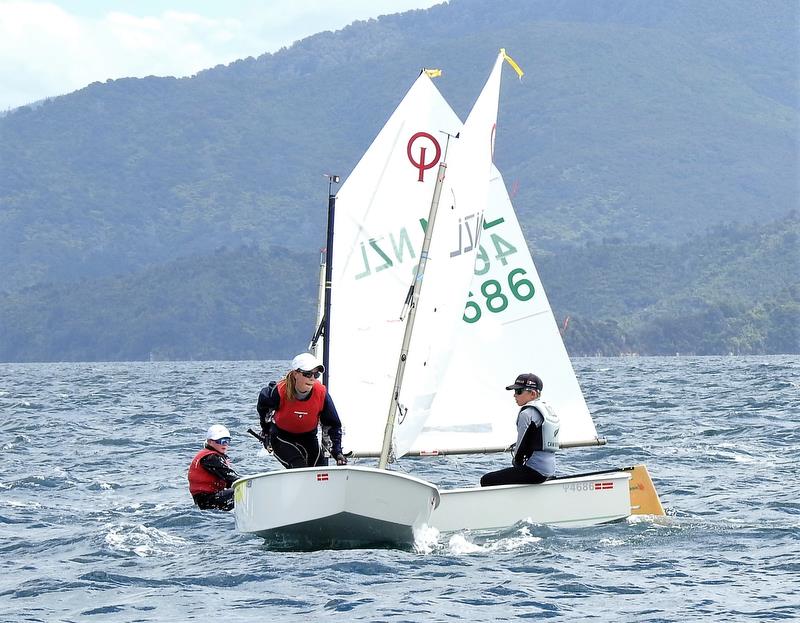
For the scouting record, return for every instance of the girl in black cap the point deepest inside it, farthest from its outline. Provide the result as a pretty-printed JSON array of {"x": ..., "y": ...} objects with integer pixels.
[{"x": 534, "y": 458}]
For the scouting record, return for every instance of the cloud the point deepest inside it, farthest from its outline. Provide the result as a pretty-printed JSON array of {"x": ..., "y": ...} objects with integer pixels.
[
  {"x": 25, "y": 30},
  {"x": 47, "y": 50}
]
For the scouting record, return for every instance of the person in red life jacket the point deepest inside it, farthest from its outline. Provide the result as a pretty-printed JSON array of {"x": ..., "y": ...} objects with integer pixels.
[
  {"x": 291, "y": 410},
  {"x": 211, "y": 474}
]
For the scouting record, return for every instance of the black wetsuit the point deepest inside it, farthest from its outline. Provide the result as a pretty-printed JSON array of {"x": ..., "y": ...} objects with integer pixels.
[{"x": 298, "y": 449}]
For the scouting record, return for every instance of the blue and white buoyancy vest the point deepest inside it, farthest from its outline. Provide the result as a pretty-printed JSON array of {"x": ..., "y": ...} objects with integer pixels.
[
  {"x": 550, "y": 426},
  {"x": 543, "y": 458}
]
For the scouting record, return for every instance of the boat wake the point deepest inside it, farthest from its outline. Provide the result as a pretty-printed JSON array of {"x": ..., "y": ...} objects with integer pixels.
[
  {"x": 143, "y": 541},
  {"x": 520, "y": 538}
]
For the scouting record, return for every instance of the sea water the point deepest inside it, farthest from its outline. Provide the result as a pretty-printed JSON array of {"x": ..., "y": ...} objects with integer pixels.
[{"x": 96, "y": 523}]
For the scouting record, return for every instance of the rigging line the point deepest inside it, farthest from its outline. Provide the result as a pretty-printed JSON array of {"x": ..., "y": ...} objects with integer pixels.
[{"x": 539, "y": 313}]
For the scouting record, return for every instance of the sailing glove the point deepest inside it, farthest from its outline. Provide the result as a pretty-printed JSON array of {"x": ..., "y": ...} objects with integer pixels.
[
  {"x": 266, "y": 440},
  {"x": 340, "y": 459}
]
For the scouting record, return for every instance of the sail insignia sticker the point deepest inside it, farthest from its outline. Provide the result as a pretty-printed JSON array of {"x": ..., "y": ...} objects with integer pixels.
[{"x": 422, "y": 165}]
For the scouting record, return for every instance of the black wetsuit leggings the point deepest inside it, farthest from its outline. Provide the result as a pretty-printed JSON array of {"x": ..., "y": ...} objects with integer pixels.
[
  {"x": 222, "y": 500},
  {"x": 297, "y": 450},
  {"x": 516, "y": 475}
]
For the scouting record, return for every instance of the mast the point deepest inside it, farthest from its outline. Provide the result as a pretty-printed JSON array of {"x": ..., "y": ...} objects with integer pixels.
[
  {"x": 312, "y": 346},
  {"x": 326, "y": 319},
  {"x": 411, "y": 305},
  {"x": 324, "y": 297}
]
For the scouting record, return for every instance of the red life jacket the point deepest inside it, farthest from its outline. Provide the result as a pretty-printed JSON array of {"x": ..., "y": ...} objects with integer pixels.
[
  {"x": 201, "y": 481},
  {"x": 300, "y": 416}
]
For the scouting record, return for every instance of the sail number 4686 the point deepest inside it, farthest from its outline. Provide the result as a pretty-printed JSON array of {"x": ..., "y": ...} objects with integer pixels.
[
  {"x": 496, "y": 301},
  {"x": 579, "y": 486}
]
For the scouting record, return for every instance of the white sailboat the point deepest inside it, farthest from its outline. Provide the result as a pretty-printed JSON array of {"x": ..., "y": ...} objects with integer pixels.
[
  {"x": 508, "y": 328},
  {"x": 334, "y": 507},
  {"x": 478, "y": 254},
  {"x": 513, "y": 330},
  {"x": 382, "y": 213}
]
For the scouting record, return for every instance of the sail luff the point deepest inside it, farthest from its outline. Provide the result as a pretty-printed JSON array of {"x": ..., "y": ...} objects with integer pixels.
[
  {"x": 453, "y": 247},
  {"x": 317, "y": 339},
  {"x": 508, "y": 328},
  {"x": 416, "y": 292},
  {"x": 380, "y": 212}
]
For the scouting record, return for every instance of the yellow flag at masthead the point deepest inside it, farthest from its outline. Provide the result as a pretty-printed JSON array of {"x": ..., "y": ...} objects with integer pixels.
[{"x": 512, "y": 62}]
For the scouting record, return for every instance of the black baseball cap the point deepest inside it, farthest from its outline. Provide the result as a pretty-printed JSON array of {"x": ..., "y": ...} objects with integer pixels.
[{"x": 527, "y": 381}]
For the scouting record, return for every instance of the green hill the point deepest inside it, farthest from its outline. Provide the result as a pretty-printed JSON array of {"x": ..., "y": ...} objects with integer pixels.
[
  {"x": 636, "y": 125},
  {"x": 640, "y": 120},
  {"x": 253, "y": 303},
  {"x": 248, "y": 303},
  {"x": 734, "y": 289}
]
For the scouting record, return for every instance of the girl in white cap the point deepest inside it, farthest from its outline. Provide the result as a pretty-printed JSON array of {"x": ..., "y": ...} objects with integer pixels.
[
  {"x": 290, "y": 412},
  {"x": 211, "y": 474}
]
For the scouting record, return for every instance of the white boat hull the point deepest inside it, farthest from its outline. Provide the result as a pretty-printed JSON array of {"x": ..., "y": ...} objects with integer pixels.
[
  {"x": 573, "y": 502},
  {"x": 329, "y": 507}
]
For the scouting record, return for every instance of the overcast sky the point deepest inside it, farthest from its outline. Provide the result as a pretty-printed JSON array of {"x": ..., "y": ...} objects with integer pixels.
[{"x": 53, "y": 48}]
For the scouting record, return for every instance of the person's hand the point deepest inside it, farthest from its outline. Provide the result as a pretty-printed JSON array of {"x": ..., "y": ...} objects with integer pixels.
[
  {"x": 341, "y": 459},
  {"x": 266, "y": 441}
]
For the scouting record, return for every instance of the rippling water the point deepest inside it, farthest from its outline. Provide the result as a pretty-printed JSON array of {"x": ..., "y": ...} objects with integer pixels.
[{"x": 96, "y": 522}]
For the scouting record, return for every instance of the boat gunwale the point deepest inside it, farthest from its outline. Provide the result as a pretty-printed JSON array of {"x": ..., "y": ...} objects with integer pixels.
[
  {"x": 559, "y": 480},
  {"x": 355, "y": 468}
]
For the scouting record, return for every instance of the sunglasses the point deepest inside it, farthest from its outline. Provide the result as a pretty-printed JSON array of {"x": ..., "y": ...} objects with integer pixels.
[
  {"x": 519, "y": 391},
  {"x": 224, "y": 441},
  {"x": 311, "y": 375}
]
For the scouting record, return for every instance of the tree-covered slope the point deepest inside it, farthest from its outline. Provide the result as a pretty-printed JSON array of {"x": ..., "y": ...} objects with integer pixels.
[
  {"x": 734, "y": 289},
  {"x": 637, "y": 120},
  {"x": 260, "y": 303},
  {"x": 249, "y": 303}
]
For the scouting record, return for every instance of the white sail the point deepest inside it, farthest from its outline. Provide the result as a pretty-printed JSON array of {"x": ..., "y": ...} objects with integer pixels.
[
  {"x": 452, "y": 259},
  {"x": 508, "y": 328},
  {"x": 380, "y": 214}
]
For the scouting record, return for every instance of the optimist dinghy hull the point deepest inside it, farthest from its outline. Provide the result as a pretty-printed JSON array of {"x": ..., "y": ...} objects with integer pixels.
[
  {"x": 571, "y": 502},
  {"x": 334, "y": 507}
]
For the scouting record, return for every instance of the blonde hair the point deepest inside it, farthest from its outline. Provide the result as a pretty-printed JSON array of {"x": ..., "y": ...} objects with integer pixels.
[{"x": 291, "y": 388}]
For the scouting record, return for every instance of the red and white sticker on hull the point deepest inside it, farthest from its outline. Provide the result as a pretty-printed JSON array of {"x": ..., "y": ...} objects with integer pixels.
[{"x": 588, "y": 486}]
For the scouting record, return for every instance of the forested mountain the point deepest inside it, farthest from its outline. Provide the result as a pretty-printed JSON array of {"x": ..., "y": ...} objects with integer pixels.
[
  {"x": 637, "y": 125},
  {"x": 248, "y": 303},
  {"x": 734, "y": 289},
  {"x": 254, "y": 303}
]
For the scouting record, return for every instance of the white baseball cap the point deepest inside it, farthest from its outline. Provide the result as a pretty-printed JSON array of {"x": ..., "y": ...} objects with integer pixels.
[
  {"x": 306, "y": 362},
  {"x": 217, "y": 432}
]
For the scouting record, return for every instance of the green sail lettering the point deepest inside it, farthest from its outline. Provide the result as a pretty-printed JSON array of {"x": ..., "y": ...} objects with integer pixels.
[
  {"x": 367, "y": 270},
  {"x": 387, "y": 261}
]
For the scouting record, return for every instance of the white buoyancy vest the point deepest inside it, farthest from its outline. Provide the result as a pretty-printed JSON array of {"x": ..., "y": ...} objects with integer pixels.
[{"x": 550, "y": 425}]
